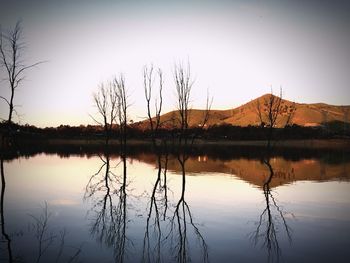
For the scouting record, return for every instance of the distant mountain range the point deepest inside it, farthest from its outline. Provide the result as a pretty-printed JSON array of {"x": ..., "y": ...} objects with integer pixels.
[{"x": 316, "y": 114}]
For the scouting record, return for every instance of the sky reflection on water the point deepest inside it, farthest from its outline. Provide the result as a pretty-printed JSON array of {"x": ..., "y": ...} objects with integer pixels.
[{"x": 222, "y": 212}]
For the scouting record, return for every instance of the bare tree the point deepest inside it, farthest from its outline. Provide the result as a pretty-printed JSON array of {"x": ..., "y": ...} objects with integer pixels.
[
  {"x": 111, "y": 103},
  {"x": 11, "y": 59},
  {"x": 148, "y": 81},
  {"x": 106, "y": 101},
  {"x": 270, "y": 112},
  {"x": 183, "y": 85},
  {"x": 123, "y": 106}
]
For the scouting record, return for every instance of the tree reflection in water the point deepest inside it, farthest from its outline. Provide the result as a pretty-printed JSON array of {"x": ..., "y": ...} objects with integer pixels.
[
  {"x": 158, "y": 207},
  {"x": 48, "y": 244},
  {"x": 271, "y": 218},
  {"x": 110, "y": 215},
  {"x": 5, "y": 236},
  {"x": 170, "y": 232},
  {"x": 181, "y": 219}
]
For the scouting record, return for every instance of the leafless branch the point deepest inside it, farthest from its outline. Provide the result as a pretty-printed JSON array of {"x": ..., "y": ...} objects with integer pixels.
[
  {"x": 149, "y": 79},
  {"x": 11, "y": 49}
]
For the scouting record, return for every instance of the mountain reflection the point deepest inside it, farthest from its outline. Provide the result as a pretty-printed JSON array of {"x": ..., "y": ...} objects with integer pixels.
[
  {"x": 168, "y": 224},
  {"x": 254, "y": 171},
  {"x": 173, "y": 207}
]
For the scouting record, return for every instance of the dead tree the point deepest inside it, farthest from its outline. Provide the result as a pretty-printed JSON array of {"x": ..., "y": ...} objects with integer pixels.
[
  {"x": 270, "y": 112},
  {"x": 11, "y": 59},
  {"x": 106, "y": 101},
  {"x": 154, "y": 124},
  {"x": 123, "y": 119},
  {"x": 123, "y": 106},
  {"x": 148, "y": 82},
  {"x": 183, "y": 85}
]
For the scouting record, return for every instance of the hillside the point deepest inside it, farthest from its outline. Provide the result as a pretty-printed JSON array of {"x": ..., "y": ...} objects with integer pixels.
[{"x": 304, "y": 115}]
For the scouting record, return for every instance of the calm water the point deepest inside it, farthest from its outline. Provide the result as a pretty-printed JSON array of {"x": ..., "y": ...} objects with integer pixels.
[{"x": 201, "y": 209}]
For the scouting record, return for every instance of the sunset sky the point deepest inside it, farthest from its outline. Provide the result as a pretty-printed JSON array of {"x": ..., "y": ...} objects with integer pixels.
[{"x": 237, "y": 50}]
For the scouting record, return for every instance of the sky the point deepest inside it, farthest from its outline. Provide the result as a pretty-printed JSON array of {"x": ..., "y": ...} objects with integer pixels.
[{"x": 237, "y": 50}]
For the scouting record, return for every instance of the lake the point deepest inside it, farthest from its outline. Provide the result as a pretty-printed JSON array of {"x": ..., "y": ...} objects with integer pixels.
[{"x": 78, "y": 207}]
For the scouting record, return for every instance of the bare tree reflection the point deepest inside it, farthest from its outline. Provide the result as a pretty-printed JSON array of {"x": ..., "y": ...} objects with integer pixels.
[
  {"x": 49, "y": 242},
  {"x": 110, "y": 213},
  {"x": 270, "y": 221},
  {"x": 42, "y": 235},
  {"x": 169, "y": 232},
  {"x": 158, "y": 204},
  {"x": 5, "y": 236},
  {"x": 181, "y": 220},
  {"x": 157, "y": 211}
]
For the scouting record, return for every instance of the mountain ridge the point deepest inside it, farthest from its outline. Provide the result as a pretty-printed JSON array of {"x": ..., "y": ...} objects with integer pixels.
[{"x": 303, "y": 114}]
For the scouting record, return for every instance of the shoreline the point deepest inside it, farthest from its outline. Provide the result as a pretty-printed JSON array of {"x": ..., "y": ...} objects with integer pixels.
[{"x": 307, "y": 143}]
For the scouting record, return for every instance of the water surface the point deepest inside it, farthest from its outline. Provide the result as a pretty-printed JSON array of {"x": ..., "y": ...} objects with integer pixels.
[{"x": 198, "y": 208}]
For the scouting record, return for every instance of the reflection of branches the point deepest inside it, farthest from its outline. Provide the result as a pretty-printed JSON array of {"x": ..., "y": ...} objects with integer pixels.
[
  {"x": 156, "y": 205},
  {"x": 267, "y": 227},
  {"x": 110, "y": 222},
  {"x": 62, "y": 241},
  {"x": 3, "y": 229},
  {"x": 181, "y": 219},
  {"x": 46, "y": 239},
  {"x": 120, "y": 231},
  {"x": 41, "y": 227},
  {"x": 104, "y": 184}
]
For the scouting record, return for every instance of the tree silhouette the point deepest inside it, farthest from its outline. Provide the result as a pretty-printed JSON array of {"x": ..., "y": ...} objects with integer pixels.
[
  {"x": 106, "y": 101},
  {"x": 183, "y": 86},
  {"x": 270, "y": 112},
  {"x": 11, "y": 59},
  {"x": 148, "y": 80}
]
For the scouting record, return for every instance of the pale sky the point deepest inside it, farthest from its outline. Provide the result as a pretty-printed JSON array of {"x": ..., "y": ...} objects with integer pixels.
[{"x": 237, "y": 50}]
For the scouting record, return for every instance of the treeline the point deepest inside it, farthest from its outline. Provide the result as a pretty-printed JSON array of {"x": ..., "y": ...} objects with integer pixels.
[{"x": 214, "y": 132}]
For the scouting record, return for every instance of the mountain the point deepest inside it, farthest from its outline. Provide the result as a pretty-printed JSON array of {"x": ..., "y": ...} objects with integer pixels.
[{"x": 303, "y": 114}]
